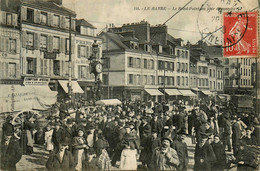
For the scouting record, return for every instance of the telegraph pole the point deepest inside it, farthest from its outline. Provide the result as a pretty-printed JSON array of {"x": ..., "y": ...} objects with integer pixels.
[{"x": 70, "y": 67}]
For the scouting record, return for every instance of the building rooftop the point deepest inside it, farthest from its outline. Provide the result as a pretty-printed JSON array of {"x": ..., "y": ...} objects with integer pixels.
[
  {"x": 48, "y": 4},
  {"x": 83, "y": 22}
]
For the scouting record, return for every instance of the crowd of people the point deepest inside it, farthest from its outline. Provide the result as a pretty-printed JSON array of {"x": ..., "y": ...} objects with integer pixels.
[{"x": 134, "y": 135}]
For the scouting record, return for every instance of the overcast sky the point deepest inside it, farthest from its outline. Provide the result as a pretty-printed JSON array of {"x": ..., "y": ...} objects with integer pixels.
[{"x": 184, "y": 25}]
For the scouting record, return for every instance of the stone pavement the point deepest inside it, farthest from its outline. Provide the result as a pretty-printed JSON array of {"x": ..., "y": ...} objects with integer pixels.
[{"x": 38, "y": 159}]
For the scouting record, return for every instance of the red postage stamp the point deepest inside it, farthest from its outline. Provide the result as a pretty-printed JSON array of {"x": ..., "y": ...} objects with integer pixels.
[{"x": 240, "y": 34}]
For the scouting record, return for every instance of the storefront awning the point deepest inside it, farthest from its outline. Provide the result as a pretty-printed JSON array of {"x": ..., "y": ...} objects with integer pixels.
[
  {"x": 207, "y": 92},
  {"x": 187, "y": 93},
  {"x": 153, "y": 92},
  {"x": 173, "y": 92},
  {"x": 29, "y": 97},
  {"x": 195, "y": 89},
  {"x": 108, "y": 102},
  {"x": 75, "y": 86}
]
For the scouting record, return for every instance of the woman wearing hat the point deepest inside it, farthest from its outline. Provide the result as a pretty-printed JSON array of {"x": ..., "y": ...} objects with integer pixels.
[
  {"x": 128, "y": 160},
  {"x": 79, "y": 146}
]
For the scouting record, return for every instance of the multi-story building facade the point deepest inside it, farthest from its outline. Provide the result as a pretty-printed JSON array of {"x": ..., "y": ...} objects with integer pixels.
[
  {"x": 152, "y": 60},
  {"x": 237, "y": 75},
  {"x": 127, "y": 69},
  {"x": 84, "y": 39},
  {"x": 45, "y": 43},
  {"x": 9, "y": 44},
  {"x": 210, "y": 69}
]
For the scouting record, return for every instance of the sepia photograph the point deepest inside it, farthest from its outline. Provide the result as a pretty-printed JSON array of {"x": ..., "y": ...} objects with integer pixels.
[{"x": 129, "y": 85}]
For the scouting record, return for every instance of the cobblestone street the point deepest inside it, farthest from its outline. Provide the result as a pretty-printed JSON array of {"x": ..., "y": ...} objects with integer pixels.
[{"x": 37, "y": 160}]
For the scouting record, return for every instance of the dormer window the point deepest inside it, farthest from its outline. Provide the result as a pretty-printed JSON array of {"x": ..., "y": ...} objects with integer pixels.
[
  {"x": 146, "y": 48},
  {"x": 160, "y": 49},
  {"x": 132, "y": 45},
  {"x": 171, "y": 50}
]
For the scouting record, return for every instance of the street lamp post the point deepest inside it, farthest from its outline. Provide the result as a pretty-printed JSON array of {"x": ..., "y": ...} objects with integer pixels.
[{"x": 96, "y": 68}]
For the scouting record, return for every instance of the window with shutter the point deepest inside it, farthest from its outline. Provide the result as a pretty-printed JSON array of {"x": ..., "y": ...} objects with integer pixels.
[
  {"x": 50, "y": 19},
  {"x": 24, "y": 13},
  {"x": 45, "y": 67},
  {"x": 56, "y": 20},
  {"x": 62, "y": 45},
  {"x": 41, "y": 66},
  {"x": 8, "y": 18},
  {"x": 12, "y": 48},
  {"x": 3, "y": 17},
  {"x": 67, "y": 45},
  {"x": 30, "y": 66},
  {"x": 67, "y": 22},
  {"x": 36, "y": 41},
  {"x": 43, "y": 42},
  {"x": 30, "y": 15},
  {"x": 12, "y": 70},
  {"x": 50, "y": 43},
  {"x": 7, "y": 45},
  {"x": 43, "y": 18},
  {"x": 56, "y": 67},
  {"x": 56, "y": 44},
  {"x": 29, "y": 39}
]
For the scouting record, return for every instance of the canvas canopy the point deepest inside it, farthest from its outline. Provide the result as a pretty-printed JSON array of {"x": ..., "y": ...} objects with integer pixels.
[
  {"x": 17, "y": 97},
  {"x": 108, "y": 102}
]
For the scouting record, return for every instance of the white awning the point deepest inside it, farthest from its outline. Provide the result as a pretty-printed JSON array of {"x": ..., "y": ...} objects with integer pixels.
[
  {"x": 206, "y": 92},
  {"x": 153, "y": 92},
  {"x": 195, "y": 89},
  {"x": 187, "y": 93},
  {"x": 75, "y": 86},
  {"x": 173, "y": 92},
  {"x": 108, "y": 102},
  {"x": 29, "y": 97}
]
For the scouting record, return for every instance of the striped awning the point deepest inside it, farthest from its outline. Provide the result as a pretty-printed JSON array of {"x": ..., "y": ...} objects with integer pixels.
[
  {"x": 153, "y": 92},
  {"x": 173, "y": 92},
  {"x": 187, "y": 93},
  {"x": 207, "y": 92}
]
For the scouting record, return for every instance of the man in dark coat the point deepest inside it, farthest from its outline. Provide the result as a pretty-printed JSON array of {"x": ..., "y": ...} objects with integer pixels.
[
  {"x": 12, "y": 153},
  {"x": 227, "y": 133},
  {"x": 204, "y": 155},
  {"x": 219, "y": 150},
  {"x": 156, "y": 124},
  {"x": 68, "y": 132},
  {"x": 119, "y": 135},
  {"x": 57, "y": 136},
  {"x": 144, "y": 129},
  {"x": 181, "y": 148},
  {"x": 64, "y": 109},
  {"x": 236, "y": 135},
  {"x": 62, "y": 159},
  {"x": 8, "y": 128}
]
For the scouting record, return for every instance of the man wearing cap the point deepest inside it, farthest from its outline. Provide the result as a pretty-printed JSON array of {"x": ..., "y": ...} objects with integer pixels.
[
  {"x": 62, "y": 159},
  {"x": 204, "y": 155},
  {"x": 165, "y": 157},
  {"x": 181, "y": 148}
]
